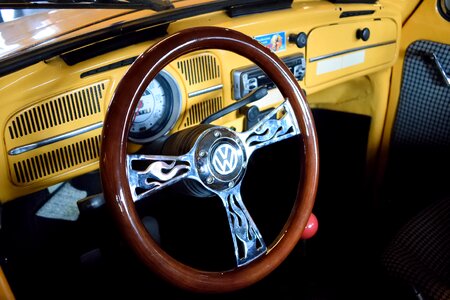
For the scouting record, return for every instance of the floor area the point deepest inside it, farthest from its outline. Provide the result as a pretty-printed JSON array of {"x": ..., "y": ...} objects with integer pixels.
[{"x": 77, "y": 256}]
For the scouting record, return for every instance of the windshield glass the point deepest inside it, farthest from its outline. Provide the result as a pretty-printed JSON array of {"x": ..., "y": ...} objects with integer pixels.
[
  {"x": 22, "y": 29},
  {"x": 33, "y": 31},
  {"x": 25, "y": 26},
  {"x": 10, "y": 14}
]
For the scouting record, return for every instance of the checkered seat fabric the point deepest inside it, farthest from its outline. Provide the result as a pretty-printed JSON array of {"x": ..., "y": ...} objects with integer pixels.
[{"x": 419, "y": 253}]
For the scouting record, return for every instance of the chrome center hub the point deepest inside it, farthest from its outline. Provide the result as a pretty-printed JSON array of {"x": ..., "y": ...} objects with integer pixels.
[{"x": 220, "y": 158}]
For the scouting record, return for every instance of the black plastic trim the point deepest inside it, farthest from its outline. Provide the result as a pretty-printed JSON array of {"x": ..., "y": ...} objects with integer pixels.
[
  {"x": 116, "y": 65},
  {"x": 136, "y": 4},
  {"x": 248, "y": 9},
  {"x": 354, "y": 1},
  {"x": 355, "y": 13},
  {"x": 78, "y": 55}
]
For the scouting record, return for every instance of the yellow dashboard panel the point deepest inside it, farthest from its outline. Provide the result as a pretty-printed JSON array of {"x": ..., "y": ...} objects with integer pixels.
[
  {"x": 340, "y": 50},
  {"x": 52, "y": 113}
]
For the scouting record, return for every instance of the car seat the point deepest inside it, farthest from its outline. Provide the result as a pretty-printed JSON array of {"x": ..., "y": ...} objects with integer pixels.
[{"x": 419, "y": 253}]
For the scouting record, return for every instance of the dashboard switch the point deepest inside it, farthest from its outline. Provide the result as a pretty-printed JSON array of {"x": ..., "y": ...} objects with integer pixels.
[
  {"x": 298, "y": 39},
  {"x": 363, "y": 34}
]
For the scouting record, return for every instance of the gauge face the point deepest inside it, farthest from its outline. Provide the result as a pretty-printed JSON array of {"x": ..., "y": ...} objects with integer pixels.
[
  {"x": 152, "y": 108},
  {"x": 157, "y": 110}
]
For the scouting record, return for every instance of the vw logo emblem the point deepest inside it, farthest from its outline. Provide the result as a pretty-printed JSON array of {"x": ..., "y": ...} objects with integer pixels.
[{"x": 225, "y": 159}]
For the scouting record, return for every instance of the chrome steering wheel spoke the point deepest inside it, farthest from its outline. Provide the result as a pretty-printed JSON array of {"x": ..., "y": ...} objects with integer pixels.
[
  {"x": 247, "y": 240},
  {"x": 150, "y": 173},
  {"x": 276, "y": 126}
]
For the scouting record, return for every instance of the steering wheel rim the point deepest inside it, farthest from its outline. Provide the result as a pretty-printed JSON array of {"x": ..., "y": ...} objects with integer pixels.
[{"x": 113, "y": 158}]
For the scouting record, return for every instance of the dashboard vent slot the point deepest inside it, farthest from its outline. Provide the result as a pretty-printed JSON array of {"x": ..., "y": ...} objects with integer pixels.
[
  {"x": 200, "y": 68},
  {"x": 199, "y": 111},
  {"x": 49, "y": 163},
  {"x": 59, "y": 110}
]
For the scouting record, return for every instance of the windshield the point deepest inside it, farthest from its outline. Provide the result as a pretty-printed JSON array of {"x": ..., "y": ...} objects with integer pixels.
[
  {"x": 38, "y": 30},
  {"x": 22, "y": 29}
]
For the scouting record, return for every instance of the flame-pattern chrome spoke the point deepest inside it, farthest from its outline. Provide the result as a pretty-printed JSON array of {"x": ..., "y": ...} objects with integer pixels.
[
  {"x": 149, "y": 173},
  {"x": 277, "y": 125},
  {"x": 247, "y": 240}
]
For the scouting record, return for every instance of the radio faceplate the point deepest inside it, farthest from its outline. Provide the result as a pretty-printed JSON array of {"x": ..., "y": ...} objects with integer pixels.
[{"x": 248, "y": 79}]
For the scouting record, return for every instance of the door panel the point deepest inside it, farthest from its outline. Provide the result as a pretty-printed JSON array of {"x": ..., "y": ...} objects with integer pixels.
[{"x": 416, "y": 139}]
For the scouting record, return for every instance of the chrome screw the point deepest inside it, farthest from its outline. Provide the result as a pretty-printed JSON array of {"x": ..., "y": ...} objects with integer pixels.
[
  {"x": 217, "y": 134},
  {"x": 210, "y": 180},
  {"x": 202, "y": 153},
  {"x": 230, "y": 184}
]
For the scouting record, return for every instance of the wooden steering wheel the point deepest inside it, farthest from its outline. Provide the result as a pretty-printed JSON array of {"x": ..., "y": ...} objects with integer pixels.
[{"x": 216, "y": 161}]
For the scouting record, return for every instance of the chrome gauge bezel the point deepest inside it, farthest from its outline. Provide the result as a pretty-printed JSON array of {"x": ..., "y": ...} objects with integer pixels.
[{"x": 172, "y": 90}]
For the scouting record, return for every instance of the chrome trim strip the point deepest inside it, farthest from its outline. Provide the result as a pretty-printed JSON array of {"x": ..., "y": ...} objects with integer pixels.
[
  {"x": 350, "y": 50},
  {"x": 204, "y": 91},
  {"x": 42, "y": 143}
]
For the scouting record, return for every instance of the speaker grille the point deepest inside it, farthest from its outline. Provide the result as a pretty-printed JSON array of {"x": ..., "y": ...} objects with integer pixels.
[
  {"x": 200, "y": 68},
  {"x": 198, "y": 112},
  {"x": 49, "y": 163},
  {"x": 57, "y": 111}
]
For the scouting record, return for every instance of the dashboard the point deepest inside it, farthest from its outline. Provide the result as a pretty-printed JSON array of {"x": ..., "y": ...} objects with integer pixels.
[{"x": 52, "y": 112}]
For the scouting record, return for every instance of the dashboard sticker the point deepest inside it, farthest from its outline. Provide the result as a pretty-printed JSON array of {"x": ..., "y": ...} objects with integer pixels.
[{"x": 275, "y": 41}]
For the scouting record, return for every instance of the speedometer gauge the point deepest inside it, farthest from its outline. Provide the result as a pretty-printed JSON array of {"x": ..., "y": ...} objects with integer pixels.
[{"x": 157, "y": 110}]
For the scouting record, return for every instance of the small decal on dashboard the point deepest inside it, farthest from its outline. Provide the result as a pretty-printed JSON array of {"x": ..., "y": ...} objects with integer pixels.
[{"x": 275, "y": 41}]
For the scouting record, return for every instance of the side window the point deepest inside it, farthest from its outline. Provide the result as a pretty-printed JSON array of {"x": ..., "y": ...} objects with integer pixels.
[{"x": 444, "y": 8}]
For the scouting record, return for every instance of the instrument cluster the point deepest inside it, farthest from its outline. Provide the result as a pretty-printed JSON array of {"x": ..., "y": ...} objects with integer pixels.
[{"x": 158, "y": 109}]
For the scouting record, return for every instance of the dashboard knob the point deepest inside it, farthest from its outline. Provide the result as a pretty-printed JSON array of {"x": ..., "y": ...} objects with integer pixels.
[
  {"x": 298, "y": 39},
  {"x": 363, "y": 34},
  {"x": 311, "y": 227}
]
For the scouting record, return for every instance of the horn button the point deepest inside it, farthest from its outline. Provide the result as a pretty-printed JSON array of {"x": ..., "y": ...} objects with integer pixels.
[{"x": 220, "y": 158}]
